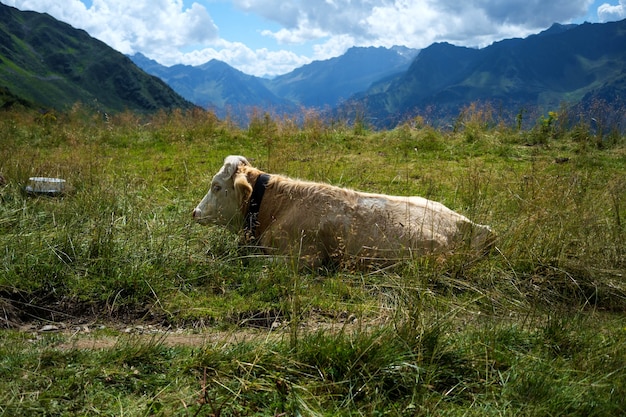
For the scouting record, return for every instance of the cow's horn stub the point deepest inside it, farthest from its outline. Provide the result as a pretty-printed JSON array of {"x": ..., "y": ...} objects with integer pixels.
[
  {"x": 231, "y": 163},
  {"x": 236, "y": 160}
]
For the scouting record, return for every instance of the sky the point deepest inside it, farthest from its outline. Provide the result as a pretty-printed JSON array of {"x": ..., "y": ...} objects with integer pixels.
[{"x": 272, "y": 37}]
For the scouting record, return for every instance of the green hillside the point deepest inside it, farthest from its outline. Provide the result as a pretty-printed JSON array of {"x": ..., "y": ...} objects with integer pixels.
[
  {"x": 565, "y": 64},
  {"x": 51, "y": 64}
]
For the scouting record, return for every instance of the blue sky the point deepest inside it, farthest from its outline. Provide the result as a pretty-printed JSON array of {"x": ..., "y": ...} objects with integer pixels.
[{"x": 272, "y": 37}]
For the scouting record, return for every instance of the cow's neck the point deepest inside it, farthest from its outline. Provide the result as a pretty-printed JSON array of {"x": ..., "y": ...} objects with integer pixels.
[{"x": 251, "y": 221}]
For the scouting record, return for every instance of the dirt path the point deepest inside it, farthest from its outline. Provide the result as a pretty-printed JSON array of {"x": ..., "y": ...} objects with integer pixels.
[{"x": 108, "y": 335}]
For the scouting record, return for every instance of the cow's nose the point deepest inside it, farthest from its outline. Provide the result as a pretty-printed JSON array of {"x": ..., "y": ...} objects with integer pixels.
[{"x": 195, "y": 213}]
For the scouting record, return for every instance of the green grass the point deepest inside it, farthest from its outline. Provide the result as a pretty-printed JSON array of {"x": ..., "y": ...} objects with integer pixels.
[
  {"x": 543, "y": 366},
  {"x": 535, "y": 328}
]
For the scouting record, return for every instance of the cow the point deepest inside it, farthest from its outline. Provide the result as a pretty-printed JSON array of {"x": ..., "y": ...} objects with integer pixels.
[{"x": 322, "y": 225}]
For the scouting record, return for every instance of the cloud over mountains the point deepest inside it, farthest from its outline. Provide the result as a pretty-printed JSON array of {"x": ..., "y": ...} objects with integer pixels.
[{"x": 188, "y": 31}]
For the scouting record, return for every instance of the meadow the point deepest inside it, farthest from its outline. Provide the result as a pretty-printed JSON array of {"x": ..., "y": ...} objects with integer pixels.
[{"x": 536, "y": 328}]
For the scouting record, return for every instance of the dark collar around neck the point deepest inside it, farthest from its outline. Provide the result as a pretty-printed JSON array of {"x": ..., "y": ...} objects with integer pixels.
[{"x": 251, "y": 221}]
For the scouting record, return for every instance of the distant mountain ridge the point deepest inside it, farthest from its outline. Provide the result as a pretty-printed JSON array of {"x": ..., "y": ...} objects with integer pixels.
[
  {"x": 44, "y": 62},
  {"x": 571, "y": 64},
  {"x": 48, "y": 63},
  {"x": 328, "y": 82},
  {"x": 217, "y": 85},
  {"x": 564, "y": 64}
]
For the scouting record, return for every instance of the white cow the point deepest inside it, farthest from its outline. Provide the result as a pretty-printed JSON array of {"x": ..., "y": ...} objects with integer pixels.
[{"x": 323, "y": 224}]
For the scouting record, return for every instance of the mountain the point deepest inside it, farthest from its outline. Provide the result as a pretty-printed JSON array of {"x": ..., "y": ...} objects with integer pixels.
[
  {"x": 48, "y": 63},
  {"x": 216, "y": 85},
  {"x": 563, "y": 64},
  {"x": 328, "y": 82},
  {"x": 44, "y": 62},
  {"x": 322, "y": 83}
]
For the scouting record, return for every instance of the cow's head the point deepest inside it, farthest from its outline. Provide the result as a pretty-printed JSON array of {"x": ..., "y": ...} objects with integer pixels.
[{"x": 230, "y": 190}]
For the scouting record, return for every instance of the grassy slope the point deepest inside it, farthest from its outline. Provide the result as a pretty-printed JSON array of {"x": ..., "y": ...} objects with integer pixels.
[
  {"x": 50, "y": 64},
  {"x": 537, "y": 328}
]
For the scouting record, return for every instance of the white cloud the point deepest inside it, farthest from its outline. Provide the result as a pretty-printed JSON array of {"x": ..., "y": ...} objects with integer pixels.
[
  {"x": 533, "y": 13},
  {"x": 297, "y": 36},
  {"x": 334, "y": 46},
  {"x": 413, "y": 23},
  {"x": 165, "y": 31},
  {"x": 132, "y": 26},
  {"x": 260, "y": 62},
  {"x": 607, "y": 12},
  {"x": 171, "y": 32},
  {"x": 73, "y": 9},
  {"x": 318, "y": 18}
]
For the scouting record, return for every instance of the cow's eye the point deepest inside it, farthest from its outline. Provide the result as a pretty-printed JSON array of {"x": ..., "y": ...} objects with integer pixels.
[{"x": 217, "y": 187}]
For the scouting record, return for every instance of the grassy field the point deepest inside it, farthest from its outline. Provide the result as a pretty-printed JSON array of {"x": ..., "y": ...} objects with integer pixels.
[{"x": 114, "y": 302}]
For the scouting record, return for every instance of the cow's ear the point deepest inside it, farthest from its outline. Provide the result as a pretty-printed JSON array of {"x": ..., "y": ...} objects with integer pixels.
[
  {"x": 231, "y": 165},
  {"x": 242, "y": 188}
]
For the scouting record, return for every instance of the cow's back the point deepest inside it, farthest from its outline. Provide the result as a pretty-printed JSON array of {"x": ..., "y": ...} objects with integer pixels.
[{"x": 319, "y": 223}]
